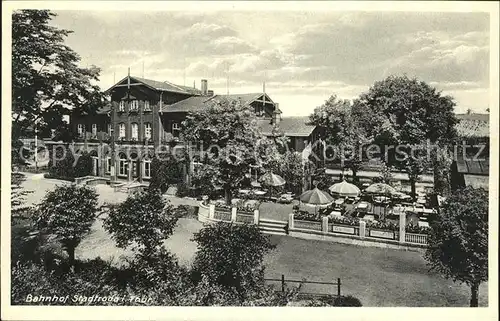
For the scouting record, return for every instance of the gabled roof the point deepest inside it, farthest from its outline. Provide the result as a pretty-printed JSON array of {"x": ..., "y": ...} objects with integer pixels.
[
  {"x": 200, "y": 102},
  {"x": 291, "y": 126},
  {"x": 161, "y": 86}
]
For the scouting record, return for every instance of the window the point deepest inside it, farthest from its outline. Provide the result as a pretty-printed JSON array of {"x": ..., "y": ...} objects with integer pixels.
[
  {"x": 147, "y": 106},
  {"x": 110, "y": 130},
  {"x": 94, "y": 129},
  {"x": 135, "y": 131},
  {"x": 122, "y": 106},
  {"x": 147, "y": 130},
  {"x": 122, "y": 130},
  {"x": 134, "y": 105},
  {"x": 147, "y": 169},
  {"x": 175, "y": 129},
  {"x": 108, "y": 164},
  {"x": 81, "y": 129},
  {"x": 123, "y": 166}
]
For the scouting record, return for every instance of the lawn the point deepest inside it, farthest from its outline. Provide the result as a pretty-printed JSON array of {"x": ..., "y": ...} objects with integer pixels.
[{"x": 378, "y": 277}]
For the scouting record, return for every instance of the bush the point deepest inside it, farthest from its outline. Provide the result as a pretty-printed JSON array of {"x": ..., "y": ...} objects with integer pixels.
[
  {"x": 165, "y": 173},
  {"x": 187, "y": 211},
  {"x": 347, "y": 301},
  {"x": 183, "y": 190}
]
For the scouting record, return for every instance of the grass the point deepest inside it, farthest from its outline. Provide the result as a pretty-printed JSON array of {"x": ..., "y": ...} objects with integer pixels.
[{"x": 378, "y": 277}]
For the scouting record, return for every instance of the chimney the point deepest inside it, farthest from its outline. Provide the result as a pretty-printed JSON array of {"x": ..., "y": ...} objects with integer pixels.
[
  {"x": 276, "y": 114},
  {"x": 204, "y": 87}
]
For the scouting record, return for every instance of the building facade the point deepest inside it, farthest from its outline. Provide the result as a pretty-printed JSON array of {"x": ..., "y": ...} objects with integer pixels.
[{"x": 145, "y": 116}]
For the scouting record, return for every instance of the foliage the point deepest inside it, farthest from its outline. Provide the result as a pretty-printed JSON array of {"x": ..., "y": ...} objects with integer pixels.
[
  {"x": 165, "y": 173},
  {"x": 17, "y": 194},
  {"x": 68, "y": 212},
  {"x": 342, "y": 133},
  {"x": 47, "y": 82},
  {"x": 183, "y": 190},
  {"x": 385, "y": 174},
  {"x": 231, "y": 256},
  {"x": 399, "y": 111},
  {"x": 335, "y": 301},
  {"x": 144, "y": 219},
  {"x": 230, "y": 130},
  {"x": 458, "y": 243},
  {"x": 83, "y": 166},
  {"x": 345, "y": 220}
]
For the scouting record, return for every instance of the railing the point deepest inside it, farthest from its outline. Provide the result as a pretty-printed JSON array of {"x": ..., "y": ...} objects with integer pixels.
[
  {"x": 308, "y": 225},
  {"x": 222, "y": 215},
  {"x": 416, "y": 238},
  {"x": 244, "y": 218}
]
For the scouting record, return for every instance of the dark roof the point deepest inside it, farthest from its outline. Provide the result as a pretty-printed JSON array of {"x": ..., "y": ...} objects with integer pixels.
[
  {"x": 291, "y": 126},
  {"x": 473, "y": 125},
  {"x": 163, "y": 86},
  {"x": 473, "y": 167},
  {"x": 199, "y": 102},
  {"x": 189, "y": 104}
]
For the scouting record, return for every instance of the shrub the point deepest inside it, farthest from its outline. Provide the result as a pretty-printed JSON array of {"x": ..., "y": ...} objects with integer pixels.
[
  {"x": 347, "y": 301},
  {"x": 144, "y": 219},
  {"x": 187, "y": 211},
  {"x": 83, "y": 165},
  {"x": 352, "y": 221},
  {"x": 231, "y": 256},
  {"x": 183, "y": 190},
  {"x": 165, "y": 173},
  {"x": 68, "y": 212}
]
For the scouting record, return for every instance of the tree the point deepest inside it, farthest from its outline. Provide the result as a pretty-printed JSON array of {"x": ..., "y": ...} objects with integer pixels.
[
  {"x": 144, "y": 219},
  {"x": 68, "y": 212},
  {"x": 399, "y": 111},
  {"x": 46, "y": 79},
  {"x": 226, "y": 132},
  {"x": 385, "y": 174},
  {"x": 458, "y": 243},
  {"x": 231, "y": 256},
  {"x": 165, "y": 173},
  {"x": 341, "y": 132}
]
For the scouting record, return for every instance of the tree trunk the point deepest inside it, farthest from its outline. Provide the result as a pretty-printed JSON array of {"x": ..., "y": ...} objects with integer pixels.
[
  {"x": 474, "y": 289},
  {"x": 413, "y": 188},
  {"x": 354, "y": 175},
  {"x": 71, "y": 255},
  {"x": 228, "y": 196}
]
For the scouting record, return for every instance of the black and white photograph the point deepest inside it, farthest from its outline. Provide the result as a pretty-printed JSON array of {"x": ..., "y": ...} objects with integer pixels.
[{"x": 265, "y": 154}]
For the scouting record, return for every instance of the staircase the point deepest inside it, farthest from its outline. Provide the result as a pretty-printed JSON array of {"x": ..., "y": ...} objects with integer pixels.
[{"x": 273, "y": 226}]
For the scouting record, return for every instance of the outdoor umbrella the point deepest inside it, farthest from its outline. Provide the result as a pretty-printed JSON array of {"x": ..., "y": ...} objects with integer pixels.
[
  {"x": 316, "y": 197},
  {"x": 344, "y": 189},
  {"x": 272, "y": 180},
  {"x": 380, "y": 188}
]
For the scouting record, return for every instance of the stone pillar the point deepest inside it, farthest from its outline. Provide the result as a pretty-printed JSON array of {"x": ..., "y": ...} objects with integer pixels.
[
  {"x": 140, "y": 167},
  {"x": 291, "y": 221},
  {"x": 402, "y": 227},
  {"x": 324, "y": 224},
  {"x": 256, "y": 215},
  {"x": 211, "y": 211},
  {"x": 233, "y": 214},
  {"x": 362, "y": 229}
]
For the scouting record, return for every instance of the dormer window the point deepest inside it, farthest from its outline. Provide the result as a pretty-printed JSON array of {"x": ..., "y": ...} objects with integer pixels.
[
  {"x": 121, "y": 107},
  {"x": 147, "y": 106},
  {"x": 176, "y": 129},
  {"x": 134, "y": 105}
]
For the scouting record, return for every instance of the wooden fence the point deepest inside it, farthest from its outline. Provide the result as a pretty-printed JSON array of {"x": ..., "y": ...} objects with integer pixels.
[{"x": 336, "y": 286}]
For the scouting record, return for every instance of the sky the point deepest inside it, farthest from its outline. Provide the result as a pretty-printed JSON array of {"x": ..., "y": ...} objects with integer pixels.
[{"x": 303, "y": 57}]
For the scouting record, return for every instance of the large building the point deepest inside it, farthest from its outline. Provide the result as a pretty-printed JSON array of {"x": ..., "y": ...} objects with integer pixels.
[{"x": 144, "y": 114}]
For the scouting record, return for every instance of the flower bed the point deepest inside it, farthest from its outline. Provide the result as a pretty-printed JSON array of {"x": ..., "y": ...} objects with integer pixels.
[
  {"x": 351, "y": 221},
  {"x": 389, "y": 226},
  {"x": 415, "y": 229}
]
